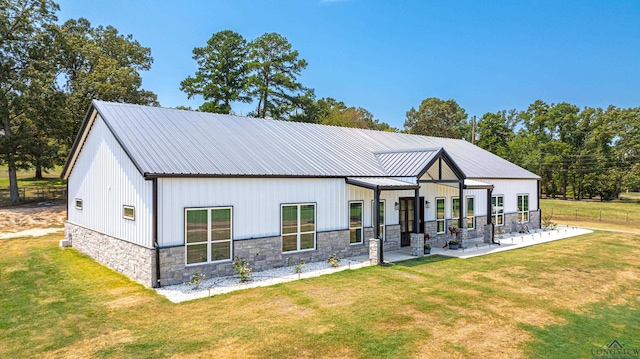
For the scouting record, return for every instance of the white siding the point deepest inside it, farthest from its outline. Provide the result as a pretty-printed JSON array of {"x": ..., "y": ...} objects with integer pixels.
[
  {"x": 256, "y": 203},
  {"x": 105, "y": 179},
  {"x": 510, "y": 189}
]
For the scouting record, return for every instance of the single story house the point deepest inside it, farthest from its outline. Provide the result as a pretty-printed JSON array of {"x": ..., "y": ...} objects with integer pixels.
[{"x": 159, "y": 194}]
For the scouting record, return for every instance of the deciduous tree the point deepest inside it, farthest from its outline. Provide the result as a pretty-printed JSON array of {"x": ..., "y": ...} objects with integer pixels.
[
  {"x": 440, "y": 118},
  {"x": 223, "y": 72}
]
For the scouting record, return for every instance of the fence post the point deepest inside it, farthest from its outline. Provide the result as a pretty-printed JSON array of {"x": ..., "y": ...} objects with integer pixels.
[{"x": 552, "y": 210}]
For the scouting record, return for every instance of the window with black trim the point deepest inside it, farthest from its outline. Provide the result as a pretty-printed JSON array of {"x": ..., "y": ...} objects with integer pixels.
[
  {"x": 78, "y": 203},
  {"x": 208, "y": 234},
  {"x": 355, "y": 222},
  {"x": 523, "y": 208},
  {"x": 129, "y": 212},
  {"x": 298, "y": 224}
]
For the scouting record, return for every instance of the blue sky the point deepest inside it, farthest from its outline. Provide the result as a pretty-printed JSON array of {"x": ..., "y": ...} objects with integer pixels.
[{"x": 387, "y": 56}]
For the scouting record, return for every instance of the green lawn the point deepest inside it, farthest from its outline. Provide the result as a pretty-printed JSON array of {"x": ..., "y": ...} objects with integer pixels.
[
  {"x": 560, "y": 299},
  {"x": 621, "y": 215}
]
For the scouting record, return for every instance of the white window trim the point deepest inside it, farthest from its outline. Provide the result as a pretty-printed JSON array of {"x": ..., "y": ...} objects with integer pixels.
[
  {"x": 298, "y": 233},
  {"x": 361, "y": 223},
  {"x": 455, "y": 214},
  {"x": 209, "y": 240},
  {"x": 523, "y": 213},
  {"x": 473, "y": 218},
  {"x": 383, "y": 221},
  {"x": 131, "y": 218},
  {"x": 444, "y": 219},
  {"x": 81, "y": 203},
  {"x": 494, "y": 217}
]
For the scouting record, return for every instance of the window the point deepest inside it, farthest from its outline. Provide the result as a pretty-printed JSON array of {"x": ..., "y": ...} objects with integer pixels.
[
  {"x": 78, "y": 203},
  {"x": 455, "y": 210},
  {"x": 497, "y": 210},
  {"x": 382, "y": 226},
  {"x": 129, "y": 212},
  {"x": 523, "y": 208},
  {"x": 355, "y": 222},
  {"x": 208, "y": 234},
  {"x": 440, "y": 215},
  {"x": 471, "y": 219},
  {"x": 298, "y": 227}
]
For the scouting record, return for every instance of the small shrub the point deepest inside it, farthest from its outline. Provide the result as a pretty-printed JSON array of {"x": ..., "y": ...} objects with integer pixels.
[
  {"x": 298, "y": 267},
  {"x": 334, "y": 260},
  {"x": 242, "y": 269},
  {"x": 547, "y": 223},
  {"x": 196, "y": 279}
]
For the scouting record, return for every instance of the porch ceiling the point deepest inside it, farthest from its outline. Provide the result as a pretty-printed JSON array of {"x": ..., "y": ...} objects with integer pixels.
[{"x": 381, "y": 183}]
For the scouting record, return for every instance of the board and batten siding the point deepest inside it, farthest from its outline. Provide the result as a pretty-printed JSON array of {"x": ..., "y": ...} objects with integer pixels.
[
  {"x": 105, "y": 179},
  {"x": 256, "y": 203}
]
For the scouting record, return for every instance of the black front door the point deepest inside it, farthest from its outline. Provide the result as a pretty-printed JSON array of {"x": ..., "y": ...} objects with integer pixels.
[{"x": 406, "y": 219}]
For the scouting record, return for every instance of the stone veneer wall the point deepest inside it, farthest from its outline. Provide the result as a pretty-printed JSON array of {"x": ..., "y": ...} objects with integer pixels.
[
  {"x": 135, "y": 261},
  {"x": 534, "y": 219},
  {"x": 138, "y": 262},
  {"x": 266, "y": 253}
]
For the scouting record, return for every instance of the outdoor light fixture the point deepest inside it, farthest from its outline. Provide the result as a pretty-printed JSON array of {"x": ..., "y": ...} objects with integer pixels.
[
  {"x": 397, "y": 206},
  {"x": 426, "y": 204}
]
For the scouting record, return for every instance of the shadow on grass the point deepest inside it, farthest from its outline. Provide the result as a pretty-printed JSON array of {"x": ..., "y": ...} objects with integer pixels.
[{"x": 420, "y": 261}]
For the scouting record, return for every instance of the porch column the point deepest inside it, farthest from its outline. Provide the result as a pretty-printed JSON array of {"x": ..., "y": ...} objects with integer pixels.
[
  {"x": 489, "y": 228},
  {"x": 461, "y": 196},
  {"x": 416, "y": 211},
  {"x": 376, "y": 224}
]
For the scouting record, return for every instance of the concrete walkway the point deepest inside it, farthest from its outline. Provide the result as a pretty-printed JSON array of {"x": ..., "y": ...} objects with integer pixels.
[
  {"x": 476, "y": 247},
  {"x": 37, "y": 232}
]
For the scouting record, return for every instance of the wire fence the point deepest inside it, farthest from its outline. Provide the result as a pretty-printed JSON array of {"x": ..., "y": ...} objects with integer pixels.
[
  {"x": 35, "y": 194},
  {"x": 632, "y": 217}
]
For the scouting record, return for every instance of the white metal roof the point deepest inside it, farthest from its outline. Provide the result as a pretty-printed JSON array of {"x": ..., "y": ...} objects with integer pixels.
[{"x": 171, "y": 142}]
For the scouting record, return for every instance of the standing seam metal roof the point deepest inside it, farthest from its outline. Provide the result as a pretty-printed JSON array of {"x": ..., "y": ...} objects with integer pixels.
[{"x": 164, "y": 141}]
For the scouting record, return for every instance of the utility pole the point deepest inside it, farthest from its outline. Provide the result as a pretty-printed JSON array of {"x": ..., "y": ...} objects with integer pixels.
[{"x": 473, "y": 132}]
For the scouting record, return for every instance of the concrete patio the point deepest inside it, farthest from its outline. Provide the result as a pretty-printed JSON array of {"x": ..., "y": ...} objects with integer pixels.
[{"x": 476, "y": 247}]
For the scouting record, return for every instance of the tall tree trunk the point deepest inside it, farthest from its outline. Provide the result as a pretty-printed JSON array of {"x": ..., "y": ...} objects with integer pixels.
[
  {"x": 14, "y": 195},
  {"x": 38, "y": 171}
]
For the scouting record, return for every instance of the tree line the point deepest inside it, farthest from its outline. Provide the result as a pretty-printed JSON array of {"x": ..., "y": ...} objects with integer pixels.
[{"x": 50, "y": 73}]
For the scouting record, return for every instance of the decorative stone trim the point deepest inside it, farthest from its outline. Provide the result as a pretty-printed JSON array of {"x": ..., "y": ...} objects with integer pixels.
[
  {"x": 134, "y": 261},
  {"x": 417, "y": 244},
  {"x": 374, "y": 251}
]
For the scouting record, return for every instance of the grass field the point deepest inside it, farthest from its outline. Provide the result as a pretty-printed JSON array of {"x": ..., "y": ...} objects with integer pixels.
[
  {"x": 32, "y": 189},
  {"x": 619, "y": 215},
  {"x": 560, "y": 299}
]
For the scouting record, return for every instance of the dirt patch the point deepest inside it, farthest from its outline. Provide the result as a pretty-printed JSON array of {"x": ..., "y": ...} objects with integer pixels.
[
  {"x": 32, "y": 215},
  {"x": 88, "y": 347}
]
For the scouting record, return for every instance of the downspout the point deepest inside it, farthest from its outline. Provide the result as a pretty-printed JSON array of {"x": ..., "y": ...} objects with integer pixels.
[
  {"x": 154, "y": 229},
  {"x": 416, "y": 211},
  {"x": 539, "y": 209}
]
